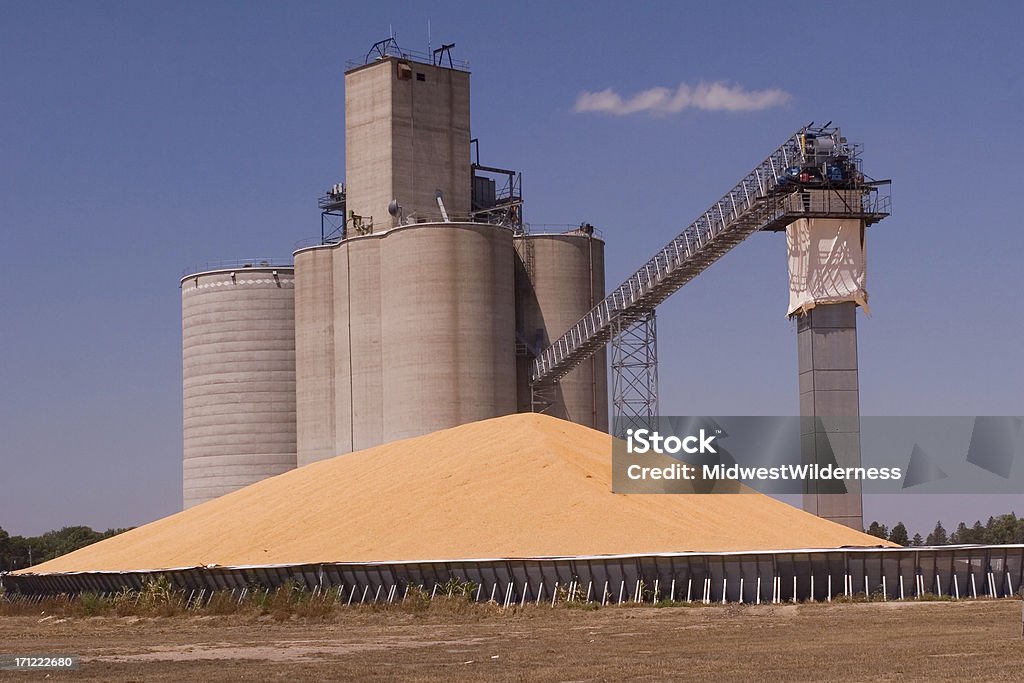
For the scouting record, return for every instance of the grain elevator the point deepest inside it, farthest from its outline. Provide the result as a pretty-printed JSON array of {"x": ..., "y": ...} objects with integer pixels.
[{"x": 422, "y": 309}]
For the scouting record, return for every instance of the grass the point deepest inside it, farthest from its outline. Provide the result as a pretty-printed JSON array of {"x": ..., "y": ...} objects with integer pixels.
[{"x": 159, "y": 599}]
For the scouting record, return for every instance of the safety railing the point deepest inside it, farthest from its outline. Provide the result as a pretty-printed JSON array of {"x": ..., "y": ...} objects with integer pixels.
[{"x": 755, "y": 203}]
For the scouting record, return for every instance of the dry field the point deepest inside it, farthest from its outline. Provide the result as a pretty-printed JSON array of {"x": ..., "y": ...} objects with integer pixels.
[{"x": 861, "y": 641}]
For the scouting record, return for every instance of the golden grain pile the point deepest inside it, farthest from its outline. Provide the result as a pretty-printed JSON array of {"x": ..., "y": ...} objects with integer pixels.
[{"x": 518, "y": 486}]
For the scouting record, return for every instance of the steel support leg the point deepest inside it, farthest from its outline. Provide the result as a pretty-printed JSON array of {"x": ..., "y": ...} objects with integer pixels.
[{"x": 634, "y": 374}]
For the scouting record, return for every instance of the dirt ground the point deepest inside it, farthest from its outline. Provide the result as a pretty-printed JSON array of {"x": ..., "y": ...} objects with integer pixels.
[{"x": 876, "y": 641}]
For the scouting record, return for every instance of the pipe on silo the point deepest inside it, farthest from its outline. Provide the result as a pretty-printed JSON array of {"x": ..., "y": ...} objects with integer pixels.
[{"x": 358, "y": 364}]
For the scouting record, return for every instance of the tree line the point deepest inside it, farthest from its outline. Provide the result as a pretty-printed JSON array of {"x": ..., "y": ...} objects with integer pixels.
[
  {"x": 19, "y": 552},
  {"x": 1000, "y": 529}
]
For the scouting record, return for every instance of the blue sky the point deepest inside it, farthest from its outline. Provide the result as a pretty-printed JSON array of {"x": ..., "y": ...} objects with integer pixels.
[{"x": 138, "y": 139}]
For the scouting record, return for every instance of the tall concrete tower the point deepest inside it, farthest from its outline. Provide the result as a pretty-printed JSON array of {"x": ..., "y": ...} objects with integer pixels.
[
  {"x": 417, "y": 314},
  {"x": 419, "y": 318},
  {"x": 406, "y": 325},
  {"x": 406, "y": 138},
  {"x": 827, "y": 275}
]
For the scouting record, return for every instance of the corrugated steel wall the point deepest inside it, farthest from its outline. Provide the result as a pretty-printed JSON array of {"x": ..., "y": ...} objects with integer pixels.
[{"x": 779, "y": 576}]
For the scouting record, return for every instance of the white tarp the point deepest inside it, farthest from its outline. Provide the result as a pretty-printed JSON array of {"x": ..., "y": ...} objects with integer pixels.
[{"x": 826, "y": 263}]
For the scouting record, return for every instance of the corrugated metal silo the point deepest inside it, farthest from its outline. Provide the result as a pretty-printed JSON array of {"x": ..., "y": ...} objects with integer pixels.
[
  {"x": 560, "y": 277},
  {"x": 238, "y": 361}
]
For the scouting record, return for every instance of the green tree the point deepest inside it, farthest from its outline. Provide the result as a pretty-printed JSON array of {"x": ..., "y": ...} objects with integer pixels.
[
  {"x": 899, "y": 534},
  {"x": 22, "y": 552},
  {"x": 66, "y": 540},
  {"x": 1002, "y": 529},
  {"x": 19, "y": 552},
  {"x": 917, "y": 540},
  {"x": 878, "y": 530},
  {"x": 961, "y": 535},
  {"x": 938, "y": 536},
  {"x": 5, "y": 549}
]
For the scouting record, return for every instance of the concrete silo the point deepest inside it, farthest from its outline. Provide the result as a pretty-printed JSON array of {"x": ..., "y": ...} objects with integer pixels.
[
  {"x": 314, "y": 355},
  {"x": 421, "y": 334},
  {"x": 406, "y": 317},
  {"x": 559, "y": 278},
  {"x": 238, "y": 363},
  {"x": 448, "y": 326}
]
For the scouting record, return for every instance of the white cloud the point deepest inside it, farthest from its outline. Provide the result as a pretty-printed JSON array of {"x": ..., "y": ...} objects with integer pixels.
[{"x": 717, "y": 96}]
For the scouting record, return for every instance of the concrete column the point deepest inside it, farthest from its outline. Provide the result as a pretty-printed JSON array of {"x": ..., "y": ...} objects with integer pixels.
[{"x": 830, "y": 408}]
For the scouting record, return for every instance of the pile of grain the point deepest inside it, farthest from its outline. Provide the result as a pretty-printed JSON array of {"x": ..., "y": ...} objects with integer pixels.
[{"x": 517, "y": 486}]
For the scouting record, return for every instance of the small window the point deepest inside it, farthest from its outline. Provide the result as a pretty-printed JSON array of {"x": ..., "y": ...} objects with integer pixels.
[{"x": 421, "y": 76}]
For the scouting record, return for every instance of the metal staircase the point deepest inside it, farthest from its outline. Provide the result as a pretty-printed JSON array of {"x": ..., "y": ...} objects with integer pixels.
[{"x": 758, "y": 202}]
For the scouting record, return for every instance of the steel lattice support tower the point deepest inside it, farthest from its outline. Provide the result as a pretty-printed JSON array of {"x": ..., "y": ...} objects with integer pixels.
[{"x": 634, "y": 373}]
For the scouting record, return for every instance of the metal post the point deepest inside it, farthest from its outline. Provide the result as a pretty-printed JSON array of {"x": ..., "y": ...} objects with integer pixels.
[{"x": 542, "y": 396}]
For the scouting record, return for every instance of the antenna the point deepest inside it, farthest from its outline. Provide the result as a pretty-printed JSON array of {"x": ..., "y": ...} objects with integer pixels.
[{"x": 429, "y": 46}]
